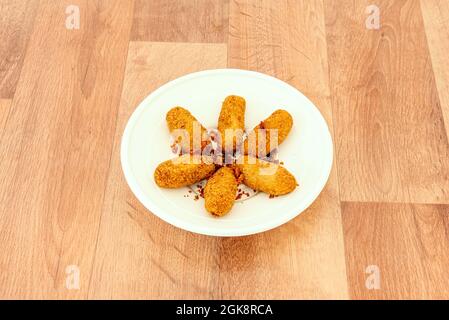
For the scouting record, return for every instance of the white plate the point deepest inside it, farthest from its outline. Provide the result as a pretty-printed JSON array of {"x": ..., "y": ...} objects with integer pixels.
[{"x": 306, "y": 153}]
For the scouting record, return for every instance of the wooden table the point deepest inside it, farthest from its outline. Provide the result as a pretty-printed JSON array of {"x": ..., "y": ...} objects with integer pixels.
[{"x": 70, "y": 227}]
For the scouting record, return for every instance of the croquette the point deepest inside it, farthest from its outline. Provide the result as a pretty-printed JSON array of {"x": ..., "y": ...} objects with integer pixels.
[
  {"x": 179, "y": 118},
  {"x": 220, "y": 192},
  {"x": 200, "y": 159},
  {"x": 279, "y": 120},
  {"x": 265, "y": 176},
  {"x": 231, "y": 122},
  {"x": 183, "y": 171}
]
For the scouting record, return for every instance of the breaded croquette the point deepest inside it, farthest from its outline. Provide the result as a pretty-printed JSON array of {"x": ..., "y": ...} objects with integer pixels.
[
  {"x": 183, "y": 171},
  {"x": 179, "y": 118},
  {"x": 279, "y": 120},
  {"x": 231, "y": 122},
  {"x": 220, "y": 192},
  {"x": 266, "y": 176}
]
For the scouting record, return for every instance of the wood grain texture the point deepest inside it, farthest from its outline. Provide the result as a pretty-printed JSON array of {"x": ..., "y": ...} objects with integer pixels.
[
  {"x": 436, "y": 22},
  {"x": 16, "y": 24},
  {"x": 390, "y": 138},
  {"x": 181, "y": 20},
  {"x": 138, "y": 255},
  {"x": 5, "y": 105},
  {"x": 407, "y": 242},
  {"x": 291, "y": 261},
  {"x": 56, "y": 147},
  {"x": 66, "y": 95}
]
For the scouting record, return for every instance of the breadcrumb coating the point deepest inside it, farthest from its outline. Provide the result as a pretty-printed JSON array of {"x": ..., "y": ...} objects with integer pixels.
[
  {"x": 183, "y": 171},
  {"x": 232, "y": 118},
  {"x": 279, "y": 120},
  {"x": 220, "y": 192},
  {"x": 180, "y": 118},
  {"x": 265, "y": 176}
]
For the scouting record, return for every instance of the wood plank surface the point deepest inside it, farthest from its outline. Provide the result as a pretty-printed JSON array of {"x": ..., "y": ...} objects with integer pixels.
[
  {"x": 16, "y": 24},
  {"x": 5, "y": 106},
  {"x": 390, "y": 138},
  {"x": 291, "y": 261},
  {"x": 181, "y": 20},
  {"x": 436, "y": 22},
  {"x": 408, "y": 243},
  {"x": 139, "y": 255},
  {"x": 379, "y": 229},
  {"x": 56, "y": 147}
]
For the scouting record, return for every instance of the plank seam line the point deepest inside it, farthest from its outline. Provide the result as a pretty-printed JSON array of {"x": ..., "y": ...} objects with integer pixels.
[
  {"x": 110, "y": 160},
  {"x": 397, "y": 202},
  {"x": 445, "y": 125},
  {"x": 181, "y": 42},
  {"x": 334, "y": 130}
]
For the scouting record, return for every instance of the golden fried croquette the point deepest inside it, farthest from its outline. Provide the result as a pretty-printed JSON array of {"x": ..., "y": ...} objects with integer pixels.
[
  {"x": 179, "y": 118},
  {"x": 183, "y": 171},
  {"x": 279, "y": 120},
  {"x": 231, "y": 122},
  {"x": 220, "y": 192},
  {"x": 265, "y": 176}
]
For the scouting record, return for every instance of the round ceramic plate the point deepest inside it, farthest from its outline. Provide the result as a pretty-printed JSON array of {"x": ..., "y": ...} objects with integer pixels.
[{"x": 306, "y": 153}]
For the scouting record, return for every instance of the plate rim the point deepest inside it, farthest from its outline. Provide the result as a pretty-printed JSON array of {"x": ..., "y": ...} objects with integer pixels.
[{"x": 210, "y": 231}]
